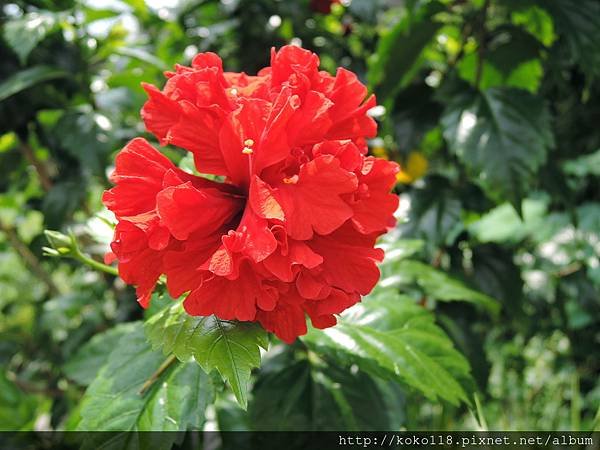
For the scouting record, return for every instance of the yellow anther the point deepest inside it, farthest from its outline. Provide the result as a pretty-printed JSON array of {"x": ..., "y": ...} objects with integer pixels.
[
  {"x": 247, "y": 151},
  {"x": 291, "y": 180},
  {"x": 248, "y": 142}
]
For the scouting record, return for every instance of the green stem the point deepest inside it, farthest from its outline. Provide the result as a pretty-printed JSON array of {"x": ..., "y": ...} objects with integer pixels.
[
  {"x": 96, "y": 265},
  {"x": 156, "y": 375},
  {"x": 79, "y": 256},
  {"x": 480, "y": 417}
]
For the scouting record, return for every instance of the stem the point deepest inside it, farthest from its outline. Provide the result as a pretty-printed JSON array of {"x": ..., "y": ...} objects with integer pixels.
[
  {"x": 156, "y": 375},
  {"x": 96, "y": 264},
  {"x": 480, "y": 416},
  {"x": 40, "y": 167},
  {"x": 29, "y": 258},
  {"x": 79, "y": 256}
]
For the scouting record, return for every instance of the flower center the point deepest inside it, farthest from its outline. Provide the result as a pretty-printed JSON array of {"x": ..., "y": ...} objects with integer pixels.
[{"x": 247, "y": 150}]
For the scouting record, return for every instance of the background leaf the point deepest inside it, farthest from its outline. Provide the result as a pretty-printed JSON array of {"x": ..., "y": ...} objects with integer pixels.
[
  {"x": 17, "y": 409},
  {"x": 391, "y": 66},
  {"x": 25, "y": 33},
  {"x": 579, "y": 21},
  {"x": 84, "y": 365},
  {"x": 27, "y": 78},
  {"x": 503, "y": 134},
  {"x": 313, "y": 395}
]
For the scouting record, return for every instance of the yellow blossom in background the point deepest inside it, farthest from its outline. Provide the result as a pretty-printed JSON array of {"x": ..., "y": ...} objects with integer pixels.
[
  {"x": 414, "y": 168},
  {"x": 380, "y": 152}
]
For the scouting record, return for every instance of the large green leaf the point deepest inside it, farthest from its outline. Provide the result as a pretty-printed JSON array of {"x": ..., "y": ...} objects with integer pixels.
[
  {"x": 26, "y": 78},
  {"x": 441, "y": 286},
  {"x": 503, "y": 135},
  {"x": 311, "y": 394},
  {"x": 84, "y": 365},
  {"x": 233, "y": 348},
  {"x": 578, "y": 21},
  {"x": 399, "y": 50},
  {"x": 392, "y": 337},
  {"x": 115, "y": 402},
  {"x": 397, "y": 270},
  {"x": 25, "y": 33}
]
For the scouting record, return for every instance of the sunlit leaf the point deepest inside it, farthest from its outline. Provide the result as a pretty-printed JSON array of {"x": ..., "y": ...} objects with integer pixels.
[
  {"x": 441, "y": 286},
  {"x": 391, "y": 337},
  {"x": 25, "y": 33},
  {"x": 503, "y": 136}
]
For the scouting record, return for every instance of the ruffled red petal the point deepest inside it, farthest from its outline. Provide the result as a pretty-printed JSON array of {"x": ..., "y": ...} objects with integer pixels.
[{"x": 289, "y": 229}]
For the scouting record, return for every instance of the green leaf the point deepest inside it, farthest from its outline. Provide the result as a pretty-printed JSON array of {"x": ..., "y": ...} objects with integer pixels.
[
  {"x": 391, "y": 337},
  {"x": 578, "y": 21},
  {"x": 399, "y": 50},
  {"x": 92, "y": 14},
  {"x": 496, "y": 274},
  {"x": 25, "y": 33},
  {"x": 233, "y": 348},
  {"x": 142, "y": 55},
  {"x": 312, "y": 394},
  {"x": 397, "y": 249},
  {"x": 84, "y": 365},
  {"x": 511, "y": 59},
  {"x": 27, "y": 78},
  {"x": 441, "y": 286},
  {"x": 503, "y": 136},
  {"x": 584, "y": 165},
  {"x": 84, "y": 134},
  {"x": 537, "y": 22},
  {"x": 114, "y": 402},
  {"x": 17, "y": 409},
  {"x": 434, "y": 214},
  {"x": 503, "y": 224},
  {"x": 62, "y": 200}
]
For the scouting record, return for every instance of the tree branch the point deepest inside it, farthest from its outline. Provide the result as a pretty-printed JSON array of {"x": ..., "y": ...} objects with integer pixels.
[
  {"x": 40, "y": 167},
  {"x": 29, "y": 258}
]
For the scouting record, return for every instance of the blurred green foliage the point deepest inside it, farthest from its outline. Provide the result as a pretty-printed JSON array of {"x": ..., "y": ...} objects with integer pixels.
[{"x": 491, "y": 284}]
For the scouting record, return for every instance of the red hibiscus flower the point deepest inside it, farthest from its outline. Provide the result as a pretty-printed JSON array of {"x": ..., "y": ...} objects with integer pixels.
[
  {"x": 290, "y": 230},
  {"x": 322, "y": 6}
]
